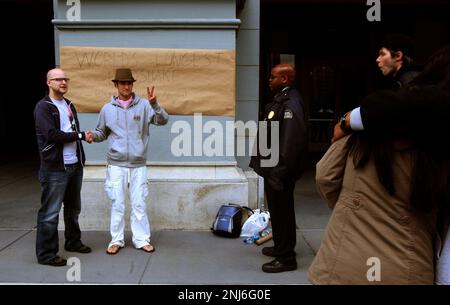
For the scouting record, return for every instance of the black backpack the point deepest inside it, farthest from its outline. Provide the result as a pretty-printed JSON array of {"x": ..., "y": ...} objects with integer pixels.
[{"x": 228, "y": 221}]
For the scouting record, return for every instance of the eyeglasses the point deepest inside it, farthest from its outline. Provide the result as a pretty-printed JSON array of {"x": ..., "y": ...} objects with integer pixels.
[{"x": 60, "y": 79}]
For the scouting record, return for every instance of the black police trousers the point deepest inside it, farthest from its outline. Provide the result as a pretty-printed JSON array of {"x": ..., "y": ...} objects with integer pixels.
[{"x": 282, "y": 217}]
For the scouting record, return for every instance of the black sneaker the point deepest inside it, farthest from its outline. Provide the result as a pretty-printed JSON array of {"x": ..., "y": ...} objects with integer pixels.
[
  {"x": 56, "y": 262},
  {"x": 81, "y": 249},
  {"x": 276, "y": 266}
]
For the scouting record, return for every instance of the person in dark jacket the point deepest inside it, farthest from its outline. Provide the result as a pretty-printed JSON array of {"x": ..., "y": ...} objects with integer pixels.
[
  {"x": 61, "y": 171},
  {"x": 395, "y": 60},
  {"x": 419, "y": 113},
  {"x": 286, "y": 134},
  {"x": 396, "y": 63},
  {"x": 420, "y": 109}
]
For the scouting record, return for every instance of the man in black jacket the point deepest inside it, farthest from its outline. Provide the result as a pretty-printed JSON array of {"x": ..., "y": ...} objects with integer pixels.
[
  {"x": 286, "y": 124},
  {"x": 61, "y": 170},
  {"x": 395, "y": 60},
  {"x": 396, "y": 63},
  {"x": 418, "y": 110}
]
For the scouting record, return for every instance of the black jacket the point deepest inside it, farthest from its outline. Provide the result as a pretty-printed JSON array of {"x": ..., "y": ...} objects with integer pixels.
[
  {"x": 287, "y": 108},
  {"x": 51, "y": 139},
  {"x": 419, "y": 113},
  {"x": 404, "y": 76}
]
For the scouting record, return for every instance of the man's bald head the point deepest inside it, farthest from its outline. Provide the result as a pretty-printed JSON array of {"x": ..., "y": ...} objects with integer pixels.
[
  {"x": 287, "y": 70},
  {"x": 281, "y": 76},
  {"x": 55, "y": 73},
  {"x": 57, "y": 83}
]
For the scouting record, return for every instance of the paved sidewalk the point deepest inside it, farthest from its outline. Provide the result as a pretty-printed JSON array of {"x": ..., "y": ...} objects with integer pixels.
[{"x": 181, "y": 257}]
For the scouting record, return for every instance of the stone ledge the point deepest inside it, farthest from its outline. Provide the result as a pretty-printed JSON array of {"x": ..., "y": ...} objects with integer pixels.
[
  {"x": 180, "y": 197},
  {"x": 226, "y": 173},
  {"x": 188, "y": 23}
]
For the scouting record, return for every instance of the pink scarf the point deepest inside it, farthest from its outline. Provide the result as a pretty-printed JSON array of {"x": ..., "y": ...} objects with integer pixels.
[{"x": 126, "y": 103}]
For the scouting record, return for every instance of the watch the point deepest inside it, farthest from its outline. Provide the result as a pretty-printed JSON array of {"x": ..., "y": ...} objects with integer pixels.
[
  {"x": 343, "y": 124},
  {"x": 80, "y": 136}
]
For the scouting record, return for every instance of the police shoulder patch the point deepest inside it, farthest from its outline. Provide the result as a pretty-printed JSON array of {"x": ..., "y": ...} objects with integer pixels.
[{"x": 288, "y": 114}]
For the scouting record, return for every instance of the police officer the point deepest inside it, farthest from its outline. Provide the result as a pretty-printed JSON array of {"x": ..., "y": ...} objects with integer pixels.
[{"x": 286, "y": 112}]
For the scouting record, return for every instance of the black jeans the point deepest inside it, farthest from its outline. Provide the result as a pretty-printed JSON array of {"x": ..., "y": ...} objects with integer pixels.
[
  {"x": 58, "y": 187},
  {"x": 282, "y": 217}
]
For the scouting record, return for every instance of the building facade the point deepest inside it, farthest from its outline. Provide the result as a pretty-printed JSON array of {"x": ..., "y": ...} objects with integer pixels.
[
  {"x": 185, "y": 191},
  {"x": 333, "y": 45}
]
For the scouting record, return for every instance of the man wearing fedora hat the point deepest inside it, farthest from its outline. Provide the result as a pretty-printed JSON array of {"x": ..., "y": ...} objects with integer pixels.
[{"x": 125, "y": 121}]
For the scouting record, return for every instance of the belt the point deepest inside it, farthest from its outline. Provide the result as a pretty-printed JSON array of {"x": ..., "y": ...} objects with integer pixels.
[{"x": 74, "y": 165}]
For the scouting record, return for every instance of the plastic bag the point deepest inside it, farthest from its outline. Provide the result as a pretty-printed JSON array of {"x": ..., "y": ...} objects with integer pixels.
[{"x": 257, "y": 222}]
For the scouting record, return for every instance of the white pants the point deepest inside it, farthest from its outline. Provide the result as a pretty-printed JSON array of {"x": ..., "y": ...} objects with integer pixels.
[{"x": 116, "y": 185}]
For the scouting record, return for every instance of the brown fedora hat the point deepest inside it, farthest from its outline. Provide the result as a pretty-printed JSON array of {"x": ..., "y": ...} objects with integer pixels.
[{"x": 123, "y": 75}]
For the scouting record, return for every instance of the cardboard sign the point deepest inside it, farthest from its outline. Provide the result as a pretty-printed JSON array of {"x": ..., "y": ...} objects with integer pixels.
[{"x": 186, "y": 81}]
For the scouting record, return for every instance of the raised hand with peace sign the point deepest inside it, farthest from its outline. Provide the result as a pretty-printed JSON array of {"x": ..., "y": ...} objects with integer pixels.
[{"x": 151, "y": 94}]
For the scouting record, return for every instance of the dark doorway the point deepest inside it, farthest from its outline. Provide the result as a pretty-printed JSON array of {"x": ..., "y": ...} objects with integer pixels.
[
  {"x": 28, "y": 53},
  {"x": 334, "y": 48}
]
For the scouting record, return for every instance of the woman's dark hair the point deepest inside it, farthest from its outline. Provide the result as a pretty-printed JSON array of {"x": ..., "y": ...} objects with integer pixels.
[
  {"x": 436, "y": 70},
  {"x": 430, "y": 185},
  {"x": 363, "y": 148},
  {"x": 430, "y": 177}
]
